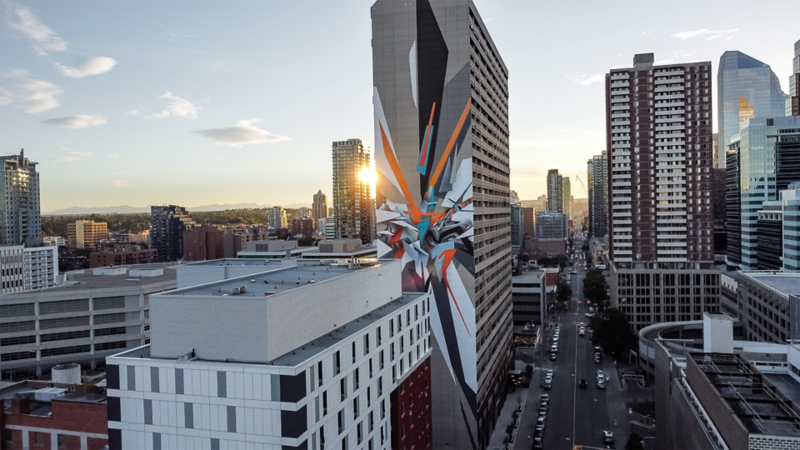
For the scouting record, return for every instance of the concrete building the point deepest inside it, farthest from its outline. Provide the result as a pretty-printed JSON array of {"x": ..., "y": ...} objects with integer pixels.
[
  {"x": 86, "y": 233},
  {"x": 793, "y": 102},
  {"x": 529, "y": 297},
  {"x": 12, "y": 273},
  {"x": 714, "y": 391},
  {"x": 265, "y": 381},
  {"x": 203, "y": 242},
  {"x": 353, "y": 213},
  {"x": 319, "y": 207},
  {"x": 764, "y": 304},
  {"x": 303, "y": 227},
  {"x": 48, "y": 415},
  {"x": 167, "y": 224},
  {"x": 660, "y": 222},
  {"x": 90, "y": 317},
  {"x": 122, "y": 255},
  {"x": 528, "y": 222},
  {"x": 517, "y": 225},
  {"x": 270, "y": 246},
  {"x": 787, "y": 209},
  {"x": 566, "y": 194},
  {"x": 555, "y": 191},
  {"x": 277, "y": 218},
  {"x": 330, "y": 229},
  {"x": 765, "y": 159},
  {"x": 549, "y": 247},
  {"x": 20, "y": 217},
  {"x": 541, "y": 203},
  {"x": 442, "y": 155},
  {"x": 551, "y": 225},
  {"x": 597, "y": 176},
  {"x": 39, "y": 267},
  {"x": 746, "y": 88},
  {"x": 56, "y": 241}
]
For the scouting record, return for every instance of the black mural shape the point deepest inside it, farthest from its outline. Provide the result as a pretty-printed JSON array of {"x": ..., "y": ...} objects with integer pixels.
[{"x": 432, "y": 56}]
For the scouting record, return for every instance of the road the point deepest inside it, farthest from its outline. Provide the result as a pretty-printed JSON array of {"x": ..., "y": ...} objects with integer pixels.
[{"x": 577, "y": 416}]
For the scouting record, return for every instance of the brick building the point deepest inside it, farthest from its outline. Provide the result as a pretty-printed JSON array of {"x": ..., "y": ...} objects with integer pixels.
[
  {"x": 122, "y": 255},
  {"x": 411, "y": 410},
  {"x": 203, "y": 243}
]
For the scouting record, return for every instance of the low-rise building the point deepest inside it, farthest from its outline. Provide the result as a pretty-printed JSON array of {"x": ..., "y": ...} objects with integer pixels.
[
  {"x": 549, "y": 247},
  {"x": 121, "y": 255},
  {"x": 40, "y": 267},
  {"x": 12, "y": 279},
  {"x": 299, "y": 359},
  {"x": 57, "y": 241},
  {"x": 763, "y": 299},
  {"x": 95, "y": 314},
  {"x": 527, "y": 294},
  {"x": 47, "y": 415}
]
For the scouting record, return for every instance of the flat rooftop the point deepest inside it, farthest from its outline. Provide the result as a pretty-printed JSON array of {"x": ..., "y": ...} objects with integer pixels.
[
  {"x": 270, "y": 282},
  {"x": 249, "y": 262},
  {"x": 87, "y": 279},
  {"x": 40, "y": 408},
  {"x": 787, "y": 283}
]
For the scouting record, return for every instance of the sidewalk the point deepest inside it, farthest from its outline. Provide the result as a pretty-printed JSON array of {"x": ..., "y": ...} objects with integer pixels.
[{"x": 514, "y": 399}]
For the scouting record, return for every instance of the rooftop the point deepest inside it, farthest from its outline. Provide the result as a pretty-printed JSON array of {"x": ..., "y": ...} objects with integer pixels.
[
  {"x": 79, "y": 281},
  {"x": 238, "y": 262},
  {"x": 271, "y": 281},
  {"x": 29, "y": 388},
  {"x": 783, "y": 283}
]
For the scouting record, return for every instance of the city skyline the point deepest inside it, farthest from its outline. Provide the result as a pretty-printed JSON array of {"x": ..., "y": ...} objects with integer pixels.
[{"x": 110, "y": 107}]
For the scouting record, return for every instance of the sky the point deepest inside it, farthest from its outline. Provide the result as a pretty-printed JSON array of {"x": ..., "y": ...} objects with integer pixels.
[{"x": 192, "y": 103}]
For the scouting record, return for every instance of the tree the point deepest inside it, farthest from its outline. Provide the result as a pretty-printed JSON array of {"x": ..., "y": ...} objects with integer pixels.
[
  {"x": 612, "y": 331},
  {"x": 634, "y": 442},
  {"x": 594, "y": 286},
  {"x": 563, "y": 291}
]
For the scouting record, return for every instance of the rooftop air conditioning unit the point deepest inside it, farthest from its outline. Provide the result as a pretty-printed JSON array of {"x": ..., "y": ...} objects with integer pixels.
[
  {"x": 242, "y": 289},
  {"x": 236, "y": 290}
]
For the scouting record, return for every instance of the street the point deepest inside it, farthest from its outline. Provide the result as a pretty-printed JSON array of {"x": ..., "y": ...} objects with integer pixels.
[{"x": 576, "y": 416}]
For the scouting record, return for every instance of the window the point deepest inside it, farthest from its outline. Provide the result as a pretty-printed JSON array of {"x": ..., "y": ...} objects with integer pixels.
[
  {"x": 366, "y": 344},
  {"x": 356, "y": 381},
  {"x": 354, "y": 352},
  {"x": 380, "y": 360},
  {"x": 343, "y": 387},
  {"x": 355, "y": 408},
  {"x": 340, "y": 418},
  {"x": 319, "y": 373},
  {"x": 336, "y": 363},
  {"x": 325, "y": 403}
]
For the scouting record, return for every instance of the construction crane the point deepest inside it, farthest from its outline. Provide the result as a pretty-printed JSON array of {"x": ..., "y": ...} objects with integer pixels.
[{"x": 582, "y": 185}]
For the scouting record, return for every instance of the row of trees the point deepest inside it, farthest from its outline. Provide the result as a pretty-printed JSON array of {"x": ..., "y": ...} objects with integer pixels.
[{"x": 594, "y": 288}]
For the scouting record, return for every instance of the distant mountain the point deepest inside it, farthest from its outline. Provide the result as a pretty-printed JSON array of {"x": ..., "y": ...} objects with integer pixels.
[
  {"x": 124, "y": 209},
  {"x": 223, "y": 207}
]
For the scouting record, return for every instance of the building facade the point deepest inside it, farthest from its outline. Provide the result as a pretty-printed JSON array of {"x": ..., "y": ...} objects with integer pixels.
[
  {"x": 660, "y": 219},
  {"x": 597, "y": 175},
  {"x": 767, "y": 158},
  {"x": 517, "y": 225},
  {"x": 793, "y": 102},
  {"x": 555, "y": 191},
  {"x": 733, "y": 207},
  {"x": 551, "y": 225},
  {"x": 319, "y": 207},
  {"x": 12, "y": 273},
  {"x": 40, "y": 267},
  {"x": 566, "y": 194},
  {"x": 353, "y": 213},
  {"x": 167, "y": 224},
  {"x": 264, "y": 381},
  {"x": 277, "y": 218},
  {"x": 764, "y": 304},
  {"x": 746, "y": 89},
  {"x": 203, "y": 243},
  {"x": 442, "y": 154},
  {"x": 91, "y": 317},
  {"x": 86, "y": 233},
  {"x": 20, "y": 210}
]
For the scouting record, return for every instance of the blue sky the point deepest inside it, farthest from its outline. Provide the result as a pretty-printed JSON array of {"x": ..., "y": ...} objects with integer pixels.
[{"x": 191, "y": 103}]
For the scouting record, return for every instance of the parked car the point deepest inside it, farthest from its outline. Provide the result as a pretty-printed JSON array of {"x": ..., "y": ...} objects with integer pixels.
[
  {"x": 552, "y": 356},
  {"x": 608, "y": 437},
  {"x": 601, "y": 384},
  {"x": 582, "y": 383}
]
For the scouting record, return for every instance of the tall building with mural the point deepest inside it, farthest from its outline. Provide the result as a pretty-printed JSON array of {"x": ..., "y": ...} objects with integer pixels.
[
  {"x": 443, "y": 198},
  {"x": 746, "y": 88}
]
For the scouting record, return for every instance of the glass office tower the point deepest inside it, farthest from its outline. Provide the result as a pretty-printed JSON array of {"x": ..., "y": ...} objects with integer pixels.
[{"x": 746, "y": 88}]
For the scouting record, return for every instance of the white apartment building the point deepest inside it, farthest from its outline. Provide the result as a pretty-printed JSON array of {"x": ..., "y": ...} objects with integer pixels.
[
  {"x": 40, "y": 267},
  {"x": 294, "y": 357}
]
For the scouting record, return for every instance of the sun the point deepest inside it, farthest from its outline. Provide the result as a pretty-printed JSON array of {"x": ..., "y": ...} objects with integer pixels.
[{"x": 368, "y": 175}]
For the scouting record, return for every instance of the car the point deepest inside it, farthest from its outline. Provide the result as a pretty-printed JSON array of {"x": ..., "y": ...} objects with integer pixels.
[
  {"x": 574, "y": 272},
  {"x": 548, "y": 385},
  {"x": 582, "y": 383},
  {"x": 589, "y": 314},
  {"x": 608, "y": 437},
  {"x": 601, "y": 384},
  {"x": 581, "y": 324},
  {"x": 582, "y": 332},
  {"x": 545, "y": 398},
  {"x": 549, "y": 372},
  {"x": 598, "y": 359},
  {"x": 591, "y": 309},
  {"x": 600, "y": 373},
  {"x": 552, "y": 356},
  {"x": 543, "y": 410},
  {"x": 548, "y": 377},
  {"x": 554, "y": 348},
  {"x": 541, "y": 420},
  {"x": 538, "y": 443},
  {"x": 597, "y": 349}
]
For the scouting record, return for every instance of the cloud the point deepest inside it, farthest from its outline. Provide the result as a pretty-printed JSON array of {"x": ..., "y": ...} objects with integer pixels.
[
  {"x": 94, "y": 65},
  {"x": 683, "y": 35},
  {"x": 135, "y": 112},
  {"x": 241, "y": 133},
  {"x": 73, "y": 156},
  {"x": 33, "y": 96},
  {"x": 79, "y": 121},
  {"x": 178, "y": 107},
  {"x": 587, "y": 80},
  {"x": 113, "y": 155},
  {"x": 44, "y": 39},
  {"x": 120, "y": 183}
]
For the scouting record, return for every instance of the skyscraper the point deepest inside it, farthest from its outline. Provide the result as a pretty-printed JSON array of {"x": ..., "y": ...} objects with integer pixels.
[
  {"x": 597, "y": 174},
  {"x": 555, "y": 191},
  {"x": 20, "y": 211},
  {"x": 793, "y": 103},
  {"x": 566, "y": 197},
  {"x": 517, "y": 224},
  {"x": 353, "y": 214},
  {"x": 660, "y": 226},
  {"x": 746, "y": 88},
  {"x": 441, "y": 151},
  {"x": 277, "y": 218},
  {"x": 167, "y": 224},
  {"x": 319, "y": 208}
]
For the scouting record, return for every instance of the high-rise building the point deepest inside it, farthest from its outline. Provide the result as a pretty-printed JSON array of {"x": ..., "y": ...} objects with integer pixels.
[
  {"x": 40, "y": 267},
  {"x": 541, "y": 203},
  {"x": 661, "y": 235},
  {"x": 319, "y": 208},
  {"x": 746, "y": 88},
  {"x": 767, "y": 157},
  {"x": 566, "y": 197},
  {"x": 167, "y": 224},
  {"x": 203, "y": 243},
  {"x": 86, "y": 233},
  {"x": 793, "y": 102},
  {"x": 786, "y": 212},
  {"x": 441, "y": 151},
  {"x": 20, "y": 210},
  {"x": 555, "y": 191},
  {"x": 597, "y": 174},
  {"x": 353, "y": 214},
  {"x": 551, "y": 225},
  {"x": 277, "y": 218},
  {"x": 528, "y": 222},
  {"x": 517, "y": 225},
  {"x": 733, "y": 208}
]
